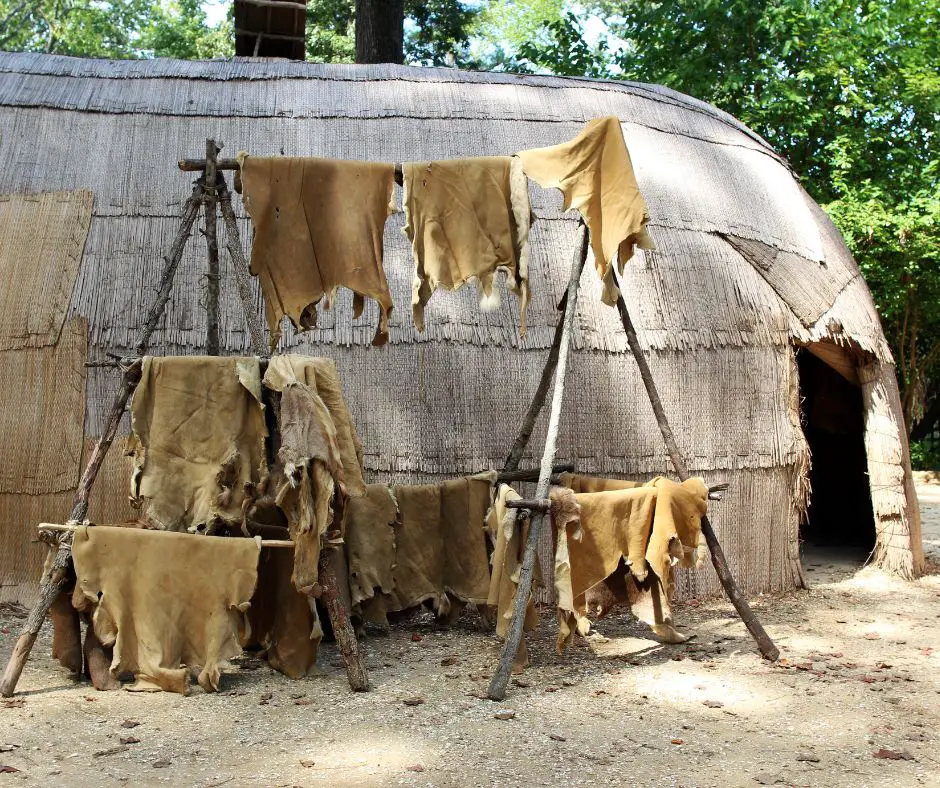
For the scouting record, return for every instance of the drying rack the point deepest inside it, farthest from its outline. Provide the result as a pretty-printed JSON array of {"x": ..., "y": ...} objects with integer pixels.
[{"x": 211, "y": 191}]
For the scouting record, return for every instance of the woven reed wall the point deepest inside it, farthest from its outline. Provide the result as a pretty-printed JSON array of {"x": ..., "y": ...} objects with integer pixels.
[
  {"x": 718, "y": 323},
  {"x": 898, "y": 547},
  {"x": 42, "y": 410},
  {"x": 109, "y": 501},
  {"x": 41, "y": 242},
  {"x": 413, "y": 418}
]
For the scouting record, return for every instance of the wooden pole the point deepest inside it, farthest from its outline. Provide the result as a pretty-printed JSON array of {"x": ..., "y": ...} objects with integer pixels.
[
  {"x": 538, "y": 401},
  {"x": 497, "y": 688},
  {"x": 767, "y": 647},
  {"x": 530, "y": 474},
  {"x": 259, "y": 342},
  {"x": 199, "y": 165},
  {"x": 58, "y": 573},
  {"x": 68, "y": 527},
  {"x": 213, "y": 279},
  {"x": 328, "y": 579}
]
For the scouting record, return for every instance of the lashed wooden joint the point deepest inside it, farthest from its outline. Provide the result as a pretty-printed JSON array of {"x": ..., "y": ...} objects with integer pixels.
[{"x": 535, "y": 505}]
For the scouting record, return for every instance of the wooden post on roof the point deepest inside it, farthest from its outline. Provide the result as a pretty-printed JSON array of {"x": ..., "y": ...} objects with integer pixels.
[
  {"x": 497, "y": 689},
  {"x": 56, "y": 578},
  {"x": 767, "y": 647},
  {"x": 210, "y": 200}
]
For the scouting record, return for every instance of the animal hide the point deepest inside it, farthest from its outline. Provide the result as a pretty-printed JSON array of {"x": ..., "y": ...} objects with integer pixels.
[
  {"x": 165, "y": 602},
  {"x": 318, "y": 462},
  {"x": 649, "y": 528},
  {"x": 198, "y": 440},
  {"x": 439, "y": 548},
  {"x": 371, "y": 525},
  {"x": 466, "y": 219},
  {"x": 595, "y": 174},
  {"x": 319, "y": 225},
  {"x": 282, "y": 620},
  {"x": 66, "y": 633},
  {"x": 586, "y": 484}
]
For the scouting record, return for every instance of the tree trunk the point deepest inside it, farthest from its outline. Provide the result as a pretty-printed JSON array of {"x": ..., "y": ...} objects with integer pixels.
[{"x": 380, "y": 31}]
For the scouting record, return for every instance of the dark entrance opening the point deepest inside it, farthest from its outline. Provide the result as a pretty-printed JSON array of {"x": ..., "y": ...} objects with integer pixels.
[{"x": 839, "y": 525}]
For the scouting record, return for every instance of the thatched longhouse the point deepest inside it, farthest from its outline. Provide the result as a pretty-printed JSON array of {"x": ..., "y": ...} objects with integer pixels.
[{"x": 759, "y": 327}]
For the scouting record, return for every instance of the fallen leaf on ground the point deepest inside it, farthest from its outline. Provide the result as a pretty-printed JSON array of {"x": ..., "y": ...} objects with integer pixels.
[
  {"x": 14, "y": 703},
  {"x": 504, "y": 714},
  {"x": 417, "y": 767},
  {"x": 893, "y": 755},
  {"x": 872, "y": 636},
  {"x": 556, "y": 737},
  {"x": 808, "y": 757},
  {"x": 713, "y": 704},
  {"x": 769, "y": 779},
  {"x": 110, "y": 751},
  {"x": 417, "y": 700},
  {"x": 130, "y": 740},
  {"x": 307, "y": 764},
  {"x": 677, "y": 741},
  {"x": 303, "y": 702},
  {"x": 265, "y": 697},
  {"x": 162, "y": 763},
  {"x": 415, "y": 637},
  {"x": 448, "y": 661},
  {"x": 4, "y": 769},
  {"x": 521, "y": 683},
  {"x": 90, "y": 699},
  {"x": 130, "y": 724}
]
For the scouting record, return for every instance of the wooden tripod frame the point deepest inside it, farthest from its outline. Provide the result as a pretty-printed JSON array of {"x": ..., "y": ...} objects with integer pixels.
[
  {"x": 211, "y": 191},
  {"x": 555, "y": 367}
]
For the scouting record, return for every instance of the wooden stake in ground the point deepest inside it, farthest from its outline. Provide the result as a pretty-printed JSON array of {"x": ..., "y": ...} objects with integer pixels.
[
  {"x": 767, "y": 647},
  {"x": 329, "y": 580},
  {"x": 58, "y": 573},
  {"x": 497, "y": 689},
  {"x": 213, "y": 342}
]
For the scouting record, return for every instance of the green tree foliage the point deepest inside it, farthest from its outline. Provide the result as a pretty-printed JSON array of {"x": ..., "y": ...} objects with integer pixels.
[
  {"x": 330, "y": 31},
  {"x": 848, "y": 91},
  {"x": 179, "y": 28},
  {"x": 113, "y": 28},
  {"x": 437, "y": 32},
  {"x": 72, "y": 27},
  {"x": 563, "y": 41}
]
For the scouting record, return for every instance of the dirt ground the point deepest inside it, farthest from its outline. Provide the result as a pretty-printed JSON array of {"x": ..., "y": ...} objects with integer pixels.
[{"x": 854, "y": 701}]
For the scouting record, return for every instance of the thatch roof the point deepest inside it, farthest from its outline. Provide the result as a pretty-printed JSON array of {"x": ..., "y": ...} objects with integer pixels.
[{"x": 746, "y": 264}]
